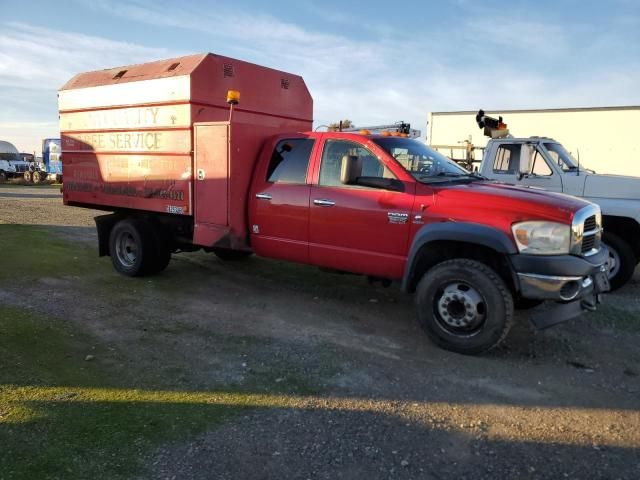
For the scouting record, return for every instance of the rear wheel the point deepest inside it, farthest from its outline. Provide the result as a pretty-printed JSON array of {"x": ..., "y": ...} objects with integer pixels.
[
  {"x": 230, "y": 255},
  {"x": 132, "y": 248},
  {"x": 36, "y": 177},
  {"x": 622, "y": 260},
  {"x": 3, "y": 176},
  {"x": 464, "y": 306}
]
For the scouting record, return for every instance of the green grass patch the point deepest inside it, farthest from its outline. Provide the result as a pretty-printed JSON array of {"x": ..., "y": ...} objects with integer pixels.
[
  {"x": 34, "y": 251},
  {"x": 64, "y": 417}
]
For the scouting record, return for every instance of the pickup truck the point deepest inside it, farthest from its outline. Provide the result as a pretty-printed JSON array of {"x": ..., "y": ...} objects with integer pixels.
[
  {"x": 544, "y": 163},
  {"x": 183, "y": 165}
]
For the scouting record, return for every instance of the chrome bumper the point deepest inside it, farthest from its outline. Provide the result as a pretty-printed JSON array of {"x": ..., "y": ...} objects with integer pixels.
[{"x": 550, "y": 287}]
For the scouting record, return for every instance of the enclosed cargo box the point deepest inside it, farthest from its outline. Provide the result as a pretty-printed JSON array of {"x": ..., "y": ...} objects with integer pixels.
[{"x": 160, "y": 137}]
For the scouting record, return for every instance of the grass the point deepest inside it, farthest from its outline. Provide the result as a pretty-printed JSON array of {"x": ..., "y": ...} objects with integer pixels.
[
  {"x": 63, "y": 416},
  {"x": 34, "y": 252}
]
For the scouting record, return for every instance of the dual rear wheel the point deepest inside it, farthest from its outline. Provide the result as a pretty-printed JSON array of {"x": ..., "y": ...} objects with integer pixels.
[{"x": 137, "y": 249}]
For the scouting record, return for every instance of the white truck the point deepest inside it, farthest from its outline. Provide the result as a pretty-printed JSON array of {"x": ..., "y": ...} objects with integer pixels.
[
  {"x": 540, "y": 162},
  {"x": 11, "y": 163}
]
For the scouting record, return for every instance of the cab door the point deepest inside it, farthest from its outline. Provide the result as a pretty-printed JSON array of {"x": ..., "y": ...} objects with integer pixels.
[
  {"x": 511, "y": 156},
  {"x": 279, "y": 203},
  {"x": 355, "y": 228}
]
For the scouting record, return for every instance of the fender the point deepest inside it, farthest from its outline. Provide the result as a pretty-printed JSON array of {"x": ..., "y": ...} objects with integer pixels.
[{"x": 459, "y": 232}]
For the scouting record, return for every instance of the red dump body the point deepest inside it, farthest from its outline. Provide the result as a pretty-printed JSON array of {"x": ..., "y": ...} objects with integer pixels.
[{"x": 155, "y": 137}]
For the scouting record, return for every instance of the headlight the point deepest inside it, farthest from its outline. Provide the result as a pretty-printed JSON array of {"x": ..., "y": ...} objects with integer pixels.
[{"x": 542, "y": 238}]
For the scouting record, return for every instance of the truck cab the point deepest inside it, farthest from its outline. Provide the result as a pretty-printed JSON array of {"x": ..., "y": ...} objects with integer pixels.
[
  {"x": 544, "y": 163},
  {"x": 11, "y": 163},
  {"x": 390, "y": 207}
]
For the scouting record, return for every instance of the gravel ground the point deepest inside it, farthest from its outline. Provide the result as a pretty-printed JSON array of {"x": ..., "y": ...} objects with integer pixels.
[{"x": 361, "y": 393}]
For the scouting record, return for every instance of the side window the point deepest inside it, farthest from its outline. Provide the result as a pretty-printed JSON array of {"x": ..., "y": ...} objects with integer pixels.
[
  {"x": 331, "y": 166},
  {"x": 507, "y": 159},
  {"x": 540, "y": 166},
  {"x": 290, "y": 160}
]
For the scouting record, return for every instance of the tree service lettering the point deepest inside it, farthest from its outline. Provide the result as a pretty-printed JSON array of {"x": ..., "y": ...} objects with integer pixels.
[{"x": 121, "y": 141}]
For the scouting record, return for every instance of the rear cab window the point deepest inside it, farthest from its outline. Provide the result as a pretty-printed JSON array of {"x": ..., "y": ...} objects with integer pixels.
[{"x": 290, "y": 161}]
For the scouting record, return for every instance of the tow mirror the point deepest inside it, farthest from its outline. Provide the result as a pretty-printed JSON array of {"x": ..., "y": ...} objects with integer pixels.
[
  {"x": 351, "y": 169},
  {"x": 526, "y": 158}
]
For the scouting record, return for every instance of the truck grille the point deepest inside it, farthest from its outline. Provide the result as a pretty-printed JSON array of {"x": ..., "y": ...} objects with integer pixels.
[
  {"x": 590, "y": 224},
  {"x": 587, "y": 231}
]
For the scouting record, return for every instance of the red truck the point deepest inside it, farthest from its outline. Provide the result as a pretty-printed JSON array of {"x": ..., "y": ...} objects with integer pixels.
[{"x": 208, "y": 152}]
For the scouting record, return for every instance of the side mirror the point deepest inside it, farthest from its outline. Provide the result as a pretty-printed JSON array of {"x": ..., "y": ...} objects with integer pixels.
[
  {"x": 526, "y": 158},
  {"x": 351, "y": 169}
]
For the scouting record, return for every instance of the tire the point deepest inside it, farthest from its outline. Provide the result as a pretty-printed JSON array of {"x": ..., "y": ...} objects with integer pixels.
[
  {"x": 623, "y": 257},
  {"x": 132, "y": 247},
  {"x": 36, "y": 177},
  {"x": 58, "y": 178},
  {"x": 464, "y": 282},
  {"x": 3, "y": 176},
  {"x": 229, "y": 255},
  {"x": 27, "y": 176}
]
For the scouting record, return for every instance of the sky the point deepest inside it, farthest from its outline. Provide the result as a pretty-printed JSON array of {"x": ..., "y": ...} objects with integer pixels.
[{"x": 372, "y": 62}]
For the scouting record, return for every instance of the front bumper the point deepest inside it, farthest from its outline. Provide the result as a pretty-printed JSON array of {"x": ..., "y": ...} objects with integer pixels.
[{"x": 575, "y": 283}]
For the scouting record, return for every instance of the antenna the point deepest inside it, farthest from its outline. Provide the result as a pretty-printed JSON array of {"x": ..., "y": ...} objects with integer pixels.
[{"x": 578, "y": 152}]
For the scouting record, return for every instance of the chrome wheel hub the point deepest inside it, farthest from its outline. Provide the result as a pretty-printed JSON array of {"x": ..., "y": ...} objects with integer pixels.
[
  {"x": 614, "y": 263},
  {"x": 126, "y": 249},
  {"x": 461, "y": 306}
]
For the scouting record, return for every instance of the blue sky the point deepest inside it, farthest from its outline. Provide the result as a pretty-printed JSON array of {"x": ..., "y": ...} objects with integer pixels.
[{"x": 373, "y": 62}]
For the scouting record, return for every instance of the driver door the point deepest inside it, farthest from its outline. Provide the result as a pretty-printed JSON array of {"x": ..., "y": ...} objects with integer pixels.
[{"x": 355, "y": 228}]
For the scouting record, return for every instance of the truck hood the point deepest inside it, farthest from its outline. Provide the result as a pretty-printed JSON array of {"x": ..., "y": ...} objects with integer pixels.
[
  {"x": 612, "y": 186},
  {"x": 507, "y": 203}
]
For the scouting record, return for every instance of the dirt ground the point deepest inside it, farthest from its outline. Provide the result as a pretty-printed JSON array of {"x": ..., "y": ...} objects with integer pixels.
[{"x": 345, "y": 383}]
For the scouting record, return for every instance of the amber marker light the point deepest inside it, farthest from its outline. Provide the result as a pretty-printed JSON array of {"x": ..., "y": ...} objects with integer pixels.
[{"x": 233, "y": 97}]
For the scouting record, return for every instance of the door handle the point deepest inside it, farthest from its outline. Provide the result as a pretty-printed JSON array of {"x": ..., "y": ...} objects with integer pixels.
[
  {"x": 324, "y": 202},
  {"x": 263, "y": 196}
]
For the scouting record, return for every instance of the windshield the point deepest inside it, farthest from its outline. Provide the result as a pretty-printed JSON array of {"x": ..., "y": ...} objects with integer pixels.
[
  {"x": 560, "y": 155},
  {"x": 424, "y": 163}
]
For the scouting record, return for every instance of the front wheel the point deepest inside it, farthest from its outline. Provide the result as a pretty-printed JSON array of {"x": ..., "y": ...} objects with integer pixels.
[
  {"x": 464, "y": 306},
  {"x": 622, "y": 260},
  {"x": 27, "y": 176}
]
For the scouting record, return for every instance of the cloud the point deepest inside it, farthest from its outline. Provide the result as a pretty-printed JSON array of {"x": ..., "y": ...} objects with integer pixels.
[
  {"x": 36, "y": 61},
  {"x": 494, "y": 61}
]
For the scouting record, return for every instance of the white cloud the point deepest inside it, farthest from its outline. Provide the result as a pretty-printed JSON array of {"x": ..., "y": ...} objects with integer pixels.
[
  {"x": 497, "y": 61},
  {"x": 36, "y": 61}
]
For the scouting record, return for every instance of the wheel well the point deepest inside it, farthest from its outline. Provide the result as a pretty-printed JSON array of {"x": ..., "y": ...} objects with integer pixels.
[
  {"x": 626, "y": 228},
  {"x": 438, "y": 251}
]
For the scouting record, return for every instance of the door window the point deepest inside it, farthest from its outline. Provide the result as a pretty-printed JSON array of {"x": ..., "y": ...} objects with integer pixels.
[
  {"x": 507, "y": 159},
  {"x": 290, "y": 161},
  {"x": 540, "y": 166},
  {"x": 332, "y": 156}
]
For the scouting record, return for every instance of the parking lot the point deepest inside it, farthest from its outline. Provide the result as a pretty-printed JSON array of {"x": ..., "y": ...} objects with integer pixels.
[{"x": 263, "y": 369}]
